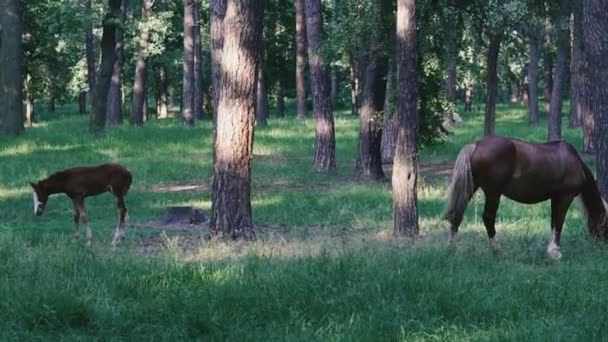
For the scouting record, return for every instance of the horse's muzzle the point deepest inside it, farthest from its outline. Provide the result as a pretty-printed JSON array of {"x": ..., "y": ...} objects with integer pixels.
[{"x": 39, "y": 210}]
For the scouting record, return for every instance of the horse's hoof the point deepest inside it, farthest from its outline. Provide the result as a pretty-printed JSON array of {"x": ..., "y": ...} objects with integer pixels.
[
  {"x": 554, "y": 254},
  {"x": 89, "y": 244}
]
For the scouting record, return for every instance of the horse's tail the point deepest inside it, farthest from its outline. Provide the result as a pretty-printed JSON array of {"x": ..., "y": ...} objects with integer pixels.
[
  {"x": 461, "y": 187},
  {"x": 594, "y": 206}
]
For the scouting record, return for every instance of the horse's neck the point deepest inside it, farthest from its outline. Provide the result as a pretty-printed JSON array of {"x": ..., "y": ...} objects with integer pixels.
[
  {"x": 593, "y": 202},
  {"x": 51, "y": 186}
]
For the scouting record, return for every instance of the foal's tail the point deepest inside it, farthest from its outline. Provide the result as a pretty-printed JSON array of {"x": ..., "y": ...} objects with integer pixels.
[{"x": 461, "y": 187}]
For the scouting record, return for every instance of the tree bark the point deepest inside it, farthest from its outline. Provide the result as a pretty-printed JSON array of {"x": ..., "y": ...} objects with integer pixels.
[
  {"x": 261, "y": 112},
  {"x": 301, "y": 59},
  {"x": 405, "y": 166},
  {"x": 108, "y": 57},
  {"x": 355, "y": 84},
  {"x": 218, "y": 11},
  {"x": 596, "y": 36},
  {"x": 577, "y": 68},
  {"x": 533, "y": 82},
  {"x": 188, "y": 65},
  {"x": 141, "y": 68},
  {"x": 90, "y": 54},
  {"x": 325, "y": 143},
  {"x": 114, "y": 97},
  {"x": 369, "y": 161},
  {"x": 82, "y": 102},
  {"x": 163, "y": 111},
  {"x": 548, "y": 64},
  {"x": 561, "y": 66},
  {"x": 491, "y": 84},
  {"x": 11, "y": 62},
  {"x": 242, "y": 27},
  {"x": 199, "y": 93}
]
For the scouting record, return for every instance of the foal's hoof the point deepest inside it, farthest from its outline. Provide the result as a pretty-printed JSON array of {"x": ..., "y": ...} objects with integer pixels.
[
  {"x": 88, "y": 243},
  {"x": 554, "y": 254}
]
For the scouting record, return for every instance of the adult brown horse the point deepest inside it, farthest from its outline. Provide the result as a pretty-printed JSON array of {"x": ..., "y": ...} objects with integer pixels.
[
  {"x": 81, "y": 182},
  {"x": 526, "y": 173}
]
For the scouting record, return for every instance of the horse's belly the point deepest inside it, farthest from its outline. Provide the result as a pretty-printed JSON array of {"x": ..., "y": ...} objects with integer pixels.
[{"x": 525, "y": 192}]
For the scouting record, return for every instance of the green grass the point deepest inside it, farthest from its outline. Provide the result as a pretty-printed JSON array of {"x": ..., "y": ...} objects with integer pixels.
[{"x": 331, "y": 272}]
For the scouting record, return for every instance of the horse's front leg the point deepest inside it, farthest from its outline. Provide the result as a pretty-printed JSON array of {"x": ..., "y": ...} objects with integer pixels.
[
  {"x": 85, "y": 219},
  {"x": 120, "y": 228},
  {"x": 489, "y": 218},
  {"x": 559, "y": 207},
  {"x": 76, "y": 221}
]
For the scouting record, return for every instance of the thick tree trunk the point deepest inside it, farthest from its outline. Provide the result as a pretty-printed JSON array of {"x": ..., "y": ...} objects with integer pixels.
[
  {"x": 577, "y": 68},
  {"x": 29, "y": 100},
  {"x": 108, "y": 57},
  {"x": 90, "y": 53},
  {"x": 280, "y": 98},
  {"x": 141, "y": 68},
  {"x": 199, "y": 93},
  {"x": 235, "y": 117},
  {"x": 301, "y": 59},
  {"x": 114, "y": 97},
  {"x": 533, "y": 82},
  {"x": 405, "y": 166},
  {"x": 163, "y": 111},
  {"x": 218, "y": 11},
  {"x": 596, "y": 49},
  {"x": 188, "y": 65},
  {"x": 548, "y": 64},
  {"x": 325, "y": 142},
  {"x": 261, "y": 111},
  {"x": 561, "y": 67},
  {"x": 82, "y": 102},
  {"x": 11, "y": 62},
  {"x": 369, "y": 161},
  {"x": 491, "y": 85}
]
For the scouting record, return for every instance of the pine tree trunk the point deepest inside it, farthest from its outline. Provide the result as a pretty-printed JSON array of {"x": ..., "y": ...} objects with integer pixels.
[
  {"x": 369, "y": 161},
  {"x": 199, "y": 94},
  {"x": 561, "y": 67},
  {"x": 452, "y": 56},
  {"x": 29, "y": 100},
  {"x": 301, "y": 59},
  {"x": 355, "y": 83},
  {"x": 533, "y": 82},
  {"x": 491, "y": 85},
  {"x": 141, "y": 68},
  {"x": 280, "y": 98},
  {"x": 82, "y": 102},
  {"x": 114, "y": 97},
  {"x": 218, "y": 11},
  {"x": 108, "y": 57},
  {"x": 11, "y": 62},
  {"x": 548, "y": 64},
  {"x": 188, "y": 65},
  {"x": 405, "y": 166},
  {"x": 577, "y": 68},
  {"x": 163, "y": 111},
  {"x": 90, "y": 54},
  {"x": 235, "y": 117},
  {"x": 596, "y": 36},
  {"x": 325, "y": 143}
]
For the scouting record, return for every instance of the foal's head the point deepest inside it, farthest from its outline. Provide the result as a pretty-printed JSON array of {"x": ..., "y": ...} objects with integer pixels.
[{"x": 40, "y": 198}]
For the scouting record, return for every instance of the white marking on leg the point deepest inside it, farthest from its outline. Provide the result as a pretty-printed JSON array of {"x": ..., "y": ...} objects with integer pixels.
[
  {"x": 553, "y": 251},
  {"x": 494, "y": 244},
  {"x": 36, "y": 201}
]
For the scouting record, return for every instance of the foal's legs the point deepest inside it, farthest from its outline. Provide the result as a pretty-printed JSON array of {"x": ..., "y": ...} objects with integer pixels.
[
  {"x": 489, "y": 217},
  {"x": 85, "y": 219},
  {"x": 559, "y": 207},
  {"x": 76, "y": 223},
  {"x": 120, "y": 228}
]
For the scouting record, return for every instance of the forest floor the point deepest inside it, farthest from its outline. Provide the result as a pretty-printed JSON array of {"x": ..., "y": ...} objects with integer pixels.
[{"x": 325, "y": 265}]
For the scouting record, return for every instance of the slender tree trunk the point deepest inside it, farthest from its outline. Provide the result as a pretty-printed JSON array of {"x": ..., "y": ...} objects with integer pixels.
[
  {"x": 163, "y": 111},
  {"x": 199, "y": 93},
  {"x": 405, "y": 166},
  {"x": 335, "y": 84},
  {"x": 492, "y": 85},
  {"x": 596, "y": 36},
  {"x": 533, "y": 82},
  {"x": 584, "y": 89},
  {"x": 82, "y": 102},
  {"x": 188, "y": 65},
  {"x": 576, "y": 66},
  {"x": 235, "y": 116},
  {"x": 561, "y": 67},
  {"x": 369, "y": 161},
  {"x": 108, "y": 56},
  {"x": 29, "y": 100},
  {"x": 144, "y": 107},
  {"x": 325, "y": 142},
  {"x": 141, "y": 68},
  {"x": 261, "y": 112},
  {"x": 355, "y": 82},
  {"x": 548, "y": 64},
  {"x": 301, "y": 59},
  {"x": 90, "y": 53},
  {"x": 280, "y": 98},
  {"x": 114, "y": 97},
  {"x": 11, "y": 62},
  {"x": 389, "y": 132},
  {"x": 452, "y": 57}
]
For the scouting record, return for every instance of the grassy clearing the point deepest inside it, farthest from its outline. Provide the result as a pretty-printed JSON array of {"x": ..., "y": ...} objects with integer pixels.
[{"x": 326, "y": 269}]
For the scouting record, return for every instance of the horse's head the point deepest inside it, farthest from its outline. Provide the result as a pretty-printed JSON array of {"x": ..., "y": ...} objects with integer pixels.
[{"x": 40, "y": 197}]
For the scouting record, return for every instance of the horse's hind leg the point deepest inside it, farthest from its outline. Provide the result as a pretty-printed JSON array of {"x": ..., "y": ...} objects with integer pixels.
[
  {"x": 489, "y": 218},
  {"x": 559, "y": 207},
  {"x": 120, "y": 228}
]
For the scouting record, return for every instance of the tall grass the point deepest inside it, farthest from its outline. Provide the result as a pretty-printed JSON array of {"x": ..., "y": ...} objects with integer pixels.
[{"x": 325, "y": 268}]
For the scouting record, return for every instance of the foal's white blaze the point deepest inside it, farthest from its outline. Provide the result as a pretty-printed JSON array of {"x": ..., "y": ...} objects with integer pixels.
[{"x": 36, "y": 201}]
